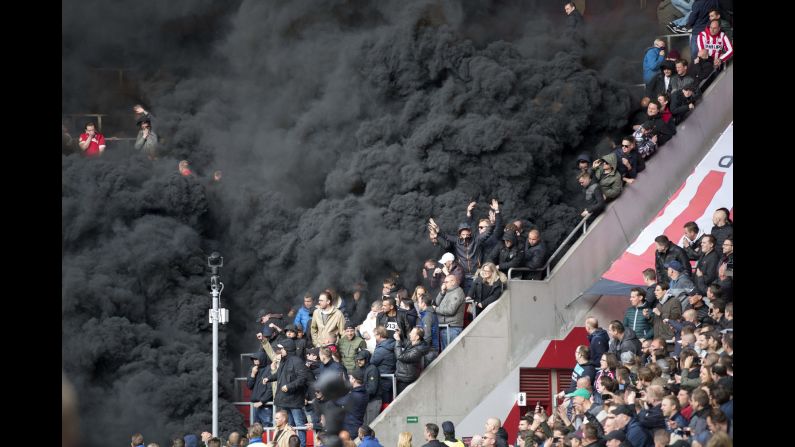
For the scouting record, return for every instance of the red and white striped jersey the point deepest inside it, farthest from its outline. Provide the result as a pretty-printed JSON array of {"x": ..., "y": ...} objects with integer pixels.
[{"x": 719, "y": 44}]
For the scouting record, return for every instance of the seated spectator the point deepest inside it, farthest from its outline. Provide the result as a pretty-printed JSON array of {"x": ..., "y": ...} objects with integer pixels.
[
  {"x": 606, "y": 174},
  {"x": 645, "y": 139},
  {"x": 655, "y": 55},
  {"x": 682, "y": 103},
  {"x": 681, "y": 78},
  {"x": 662, "y": 81},
  {"x": 716, "y": 42},
  {"x": 409, "y": 354},
  {"x": 664, "y": 131},
  {"x": 594, "y": 202},
  {"x": 488, "y": 286},
  {"x": 92, "y": 143},
  {"x": 665, "y": 106},
  {"x": 702, "y": 69},
  {"x": 629, "y": 161},
  {"x": 147, "y": 140}
]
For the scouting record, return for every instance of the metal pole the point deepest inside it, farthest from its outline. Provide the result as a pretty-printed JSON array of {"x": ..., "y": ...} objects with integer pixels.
[{"x": 215, "y": 293}]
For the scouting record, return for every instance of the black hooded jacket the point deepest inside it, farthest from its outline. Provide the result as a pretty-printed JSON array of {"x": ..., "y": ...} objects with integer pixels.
[
  {"x": 260, "y": 392},
  {"x": 295, "y": 375},
  {"x": 468, "y": 252},
  {"x": 371, "y": 376}
]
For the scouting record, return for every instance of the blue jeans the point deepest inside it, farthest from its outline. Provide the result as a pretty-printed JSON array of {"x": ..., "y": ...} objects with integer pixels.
[
  {"x": 264, "y": 415},
  {"x": 684, "y": 6},
  {"x": 454, "y": 332},
  {"x": 297, "y": 418}
]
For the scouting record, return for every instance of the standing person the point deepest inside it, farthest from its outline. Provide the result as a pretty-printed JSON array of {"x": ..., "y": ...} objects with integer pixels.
[
  {"x": 429, "y": 322},
  {"x": 535, "y": 256},
  {"x": 665, "y": 252},
  {"x": 449, "y": 435},
  {"x": 281, "y": 438},
  {"x": 384, "y": 359},
  {"x": 668, "y": 308},
  {"x": 404, "y": 439},
  {"x": 359, "y": 305},
  {"x": 409, "y": 355},
  {"x": 372, "y": 383},
  {"x": 367, "y": 436},
  {"x": 594, "y": 202},
  {"x": 327, "y": 321},
  {"x": 707, "y": 265},
  {"x": 349, "y": 345},
  {"x": 574, "y": 21},
  {"x": 488, "y": 286},
  {"x": 147, "y": 140},
  {"x": 369, "y": 324},
  {"x": 584, "y": 368},
  {"x": 698, "y": 20},
  {"x": 355, "y": 403},
  {"x": 291, "y": 378},
  {"x": 392, "y": 317},
  {"x": 652, "y": 59},
  {"x": 304, "y": 315},
  {"x": 261, "y": 392},
  {"x": 431, "y": 433},
  {"x": 92, "y": 143},
  {"x": 598, "y": 339},
  {"x": 450, "y": 308}
]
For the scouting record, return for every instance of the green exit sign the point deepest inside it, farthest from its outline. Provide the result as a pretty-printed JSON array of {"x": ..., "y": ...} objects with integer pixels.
[{"x": 412, "y": 419}]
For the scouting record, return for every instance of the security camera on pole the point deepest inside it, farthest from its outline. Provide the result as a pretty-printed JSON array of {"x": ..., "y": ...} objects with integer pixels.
[{"x": 217, "y": 315}]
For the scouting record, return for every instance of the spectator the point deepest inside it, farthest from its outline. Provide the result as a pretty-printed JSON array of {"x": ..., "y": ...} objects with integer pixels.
[
  {"x": 636, "y": 315},
  {"x": 716, "y": 42},
  {"x": 668, "y": 308},
  {"x": 292, "y": 378},
  {"x": 384, "y": 359},
  {"x": 598, "y": 339},
  {"x": 449, "y": 267},
  {"x": 510, "y": 255},
  {"x": 696, "y": 303},
  {"x": 428, "y": 269},
  {"x": 450, "y": 308},
  {"x": 372, "y": 380},
  {"x": 407, "y": 304},
  {"x": 494, "y": 427},
  {"x": 431, "y": 432},
  {"x": 650, "y": 279},
  {"x": 147, "y": 140},
  {"x": 68, "y": 144},
  {"x": 605, "y": 173},
  {"x": 304, "y": 315},
  {"x": 607, "y": 370},
  {"x": 327, "y": 321},
  {"x": 404, "y": 439},
  {"x": 727, "y": 259},
  {"x": 261, "y": 393},
  {"x": 661, "y": 82},
  {"x": 665, "y": 107},
  {"x": 255, "y": 432},
  {"x": 681, "y": 284},
  {"x": 217, "y": 175},
  {"x": 535, "y": 257},
  {"x": 683, "y": 101},
  {"x": 409, "y": 355},
  {"x": 674, "y": 420},
  {"x": 682, "y": 78},
  {"x": 574, "y": 20},
  {"x": 468, "y": 252},
  {"x": 594, "y": 202},
  {"x": 629, "y": 162},
  {"x": 667, "y": 251},
  {"x": 702, "y": 69},
  {"x": 583, "y": 368},
  {"x": 622, "y": 339},
  {"x": 645, "y": 139},
  {"x": 429, "y": 322},
  {"x": 92, "y": 143},
  {"x": 449, "y": 435},
  {"x": 367, "y": 437},
  {"x": 142, "y": 115},
  {"x": 283, "y": 433},
  {"x": 328, "y": 363},
  {"x": 615, "y": 438},
  {"x": 184, "y": 168},
  {"x": 651, "y": 416},
  {"x": 699, "y": 400},
  {"x": 707, "y": 265},
  {"x": 628, "y": 422},
  {"x": 488, "y": 286},
  {"x": 137, "y": 440},
  {"x": 722, "y": 227},
  {"x": 664, "y": 131},
  {"x": 691, "y": 241},
  {"x": 655, "y": 55},
  {"x": 392, "y": 318},
  {"x": 355, "y": 403},
  {"x": 178, "y": 442},
  {"x": 233, "y": 440},
  {"x": 368, "y": 326},
  {"x": 677, "y": 26},
  {"x": 350, "y": 345},
  {"x": 359, "y": 305},
  {"x": 699, "y": 20}
]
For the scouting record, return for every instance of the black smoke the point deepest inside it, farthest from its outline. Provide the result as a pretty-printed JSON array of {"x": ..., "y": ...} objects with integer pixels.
[{"x": 340, "y": 126}]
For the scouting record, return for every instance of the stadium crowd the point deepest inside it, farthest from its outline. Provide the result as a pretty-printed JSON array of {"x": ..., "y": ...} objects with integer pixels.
[{"x": 660, "y": 375}]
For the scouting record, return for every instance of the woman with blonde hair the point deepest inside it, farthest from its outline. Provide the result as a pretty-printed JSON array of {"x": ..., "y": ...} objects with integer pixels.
[
  {"x": 487, "y": 287},
  {"x": 404, "y": 440}
]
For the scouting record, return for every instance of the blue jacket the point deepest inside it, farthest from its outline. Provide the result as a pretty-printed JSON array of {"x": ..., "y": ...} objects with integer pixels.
[
  {"x": 303, "y": 317},
  {"x": 699, "y": 15},
  {"x": 370, "y": 441},
  {"x": 637, "y": 435},
  {"x": 599, "y": 343},
  {"x": 651, "y": 63},
  {"x": 384, "y": 356},
  {"x": 433, "y": 336},
  {"x": 355, "y": 404}
]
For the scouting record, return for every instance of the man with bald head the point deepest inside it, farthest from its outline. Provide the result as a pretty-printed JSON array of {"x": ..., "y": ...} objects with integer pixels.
[
  {"x": 535, "y": 254},
  {"x": 494, "y": 428},
  {"x": 722, "y": 228},
  {"x": 598, "y": 339},
  {"x": 450, "y": 310}
]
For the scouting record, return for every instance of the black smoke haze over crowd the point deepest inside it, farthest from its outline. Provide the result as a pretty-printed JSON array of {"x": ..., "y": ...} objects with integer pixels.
[{"x": 340, "y": 126}]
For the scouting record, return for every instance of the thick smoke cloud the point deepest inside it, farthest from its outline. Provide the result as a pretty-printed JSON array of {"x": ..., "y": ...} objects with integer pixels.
[{"x": 340, "y": 127}]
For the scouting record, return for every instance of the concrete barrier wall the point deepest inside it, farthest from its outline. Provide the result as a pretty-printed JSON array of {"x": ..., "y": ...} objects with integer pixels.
[{"x": 534, "y": 311}]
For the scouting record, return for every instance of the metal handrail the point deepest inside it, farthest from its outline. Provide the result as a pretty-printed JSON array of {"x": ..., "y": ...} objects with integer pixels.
[
  {"x": 394, "y": 384},
  {"x": 446, "y": 334},
  {"x": 548, "y": 266}
]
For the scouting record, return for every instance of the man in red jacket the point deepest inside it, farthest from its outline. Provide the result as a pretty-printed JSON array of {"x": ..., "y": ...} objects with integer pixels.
[{"x": 92, "y": 143}]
